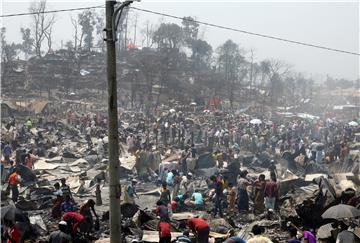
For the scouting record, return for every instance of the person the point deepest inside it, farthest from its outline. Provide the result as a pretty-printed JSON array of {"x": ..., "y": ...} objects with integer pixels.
[
  {"x": 14, "y": 180},
  {"x": 130, "y": 192},
  {"x": 259, "y": 193},
  {"x": 170, "y": 178},
  {"x": 164, "y": 232},
  {"x": 61, "y": 235},
  {"x": 232, "y": 197},
  {"x": 163, "y": 171},
  {"x": 343, "y": 152},
  {"x": 185, "y": 182},
  {"x": 272, "y": 167},
  {"x": 218, "y": 194},
  {"x": 67, "y": 206},
  {"x": 87, "y": 208},
  {"x": 98, "y": 193},
  {"x": 28, "y": 124},
  {"x": 183, "y": 161},
  {"x": 12, "y": 232},
  {"x": 29, "y": 161},
  {"x": 165, "y": 197},
  {"x": 243, "y": 197},
  {"x": 7, "y": 151},
  {"x": 200, "y": 228},
  {"x": 56, "y": 209},
  {"x": 193, "y": 151},
  {"x": 75, "y": 221},
  {"x": 271, "y": 192},
  {"x": 184, "y": 238},
  {"x": 258, "y": 238},
  {"x": 305, "y": 235},
  {"x": 179, "y": 202},
  {"x": 346, "y": 235},
  {"x": 65, "y": 188},
  {"x": 176, "y": 182},
  {"x": 162, "y": 211},
  {"x": 196, "y": 199},
  {"x": 292, "y": 235}
]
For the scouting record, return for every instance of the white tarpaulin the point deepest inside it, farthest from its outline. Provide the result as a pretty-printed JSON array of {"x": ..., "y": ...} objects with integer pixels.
[
  {"x": 255, "y": 121},
  {"x": 42, "y": 165},
  {"x": 128, "y": 162},
  {"x": 353, "y": 124},
  {"x": 79, "y": 162}
]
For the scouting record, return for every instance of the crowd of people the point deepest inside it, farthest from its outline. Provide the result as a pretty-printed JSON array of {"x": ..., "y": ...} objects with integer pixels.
[{"x": 304, "y": 144}]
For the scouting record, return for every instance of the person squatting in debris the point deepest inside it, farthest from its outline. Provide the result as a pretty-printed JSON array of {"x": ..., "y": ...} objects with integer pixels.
[
  {"x": 61, "y": 235},
  {"x": 130, "y": 192},
  {"x": 196, "y": 199}
]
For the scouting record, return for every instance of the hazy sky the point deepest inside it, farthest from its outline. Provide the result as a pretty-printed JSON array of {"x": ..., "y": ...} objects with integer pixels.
[{"x": 326, "y": 23}]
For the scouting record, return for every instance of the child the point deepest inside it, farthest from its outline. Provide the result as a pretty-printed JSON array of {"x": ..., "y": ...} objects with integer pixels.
[{"x": 232, "y": 197}]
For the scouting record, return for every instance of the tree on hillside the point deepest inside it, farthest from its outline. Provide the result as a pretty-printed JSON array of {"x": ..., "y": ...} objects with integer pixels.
[
  {"x": 147, "y": 33},
  {"x": 190, "y": 30},
  {"x": 100, "y": 23},
  {"x": 42, "y": 25},
  {"x": 27, "y": 42},
  {"x": 229, "y": 62},
  {"x": 8, "y": 51},
  {"x": 78, "y": 34},
  {"x": 168, "y": 36},
  {"x": 201, "y": 52},
  {"x": 86, "y": 20},
  {"x": 2, "y": 42}
]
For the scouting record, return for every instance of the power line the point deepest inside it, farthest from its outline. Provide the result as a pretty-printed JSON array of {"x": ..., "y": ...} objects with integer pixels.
[
  {"x": 199, "y": 22},
  {"x": 51, "y": 11},
  {"x": 249, "y": 33}
]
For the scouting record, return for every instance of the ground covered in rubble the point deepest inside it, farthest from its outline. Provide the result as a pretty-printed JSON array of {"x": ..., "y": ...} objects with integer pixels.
[{"x": 78, "y": 153}]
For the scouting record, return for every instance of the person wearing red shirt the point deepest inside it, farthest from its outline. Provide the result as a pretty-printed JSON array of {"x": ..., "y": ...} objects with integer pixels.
[
  {"x": 164, "y": 232},
  {"x": 271, "y": 192},
  {"x": 200, "y": 228},
  {"x": 12, "y": 233},
  {"x": 77, "y": 221}
]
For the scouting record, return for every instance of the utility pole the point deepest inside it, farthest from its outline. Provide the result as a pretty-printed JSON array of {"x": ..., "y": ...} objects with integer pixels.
[{"x": 114, "y": 164}]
